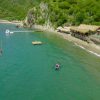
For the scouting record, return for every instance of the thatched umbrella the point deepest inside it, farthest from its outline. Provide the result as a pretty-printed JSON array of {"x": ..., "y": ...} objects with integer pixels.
[
  {"x": 85, "y": 29},
  {"x": 78, "y": 30},
  {"x": 92, "y": 28}
]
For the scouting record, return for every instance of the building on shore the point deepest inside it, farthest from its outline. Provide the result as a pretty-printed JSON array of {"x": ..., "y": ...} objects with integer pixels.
[
  {"x": 84, "y": 31},
  {"x": 98, "y": 31},
  {"x": 64, "y": 30}
]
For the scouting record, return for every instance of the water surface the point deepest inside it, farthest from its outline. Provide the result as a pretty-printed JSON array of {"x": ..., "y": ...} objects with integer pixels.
[{"x": 27, "y": 72}]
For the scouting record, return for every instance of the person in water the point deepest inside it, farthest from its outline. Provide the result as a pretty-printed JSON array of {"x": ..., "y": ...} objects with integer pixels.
[
  {"x": 57, "y": 66},
  {"x": 17, "y": 26},
  {"x": 0, "y": 51}
]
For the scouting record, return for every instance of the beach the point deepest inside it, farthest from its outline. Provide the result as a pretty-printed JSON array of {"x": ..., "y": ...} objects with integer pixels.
[
  {"x": 90, "y": 47},
  {"x": 15, "y": 22}
]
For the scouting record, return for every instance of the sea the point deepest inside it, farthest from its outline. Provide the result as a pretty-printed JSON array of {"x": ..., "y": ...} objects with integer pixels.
[{"x": 27, "y": 72}]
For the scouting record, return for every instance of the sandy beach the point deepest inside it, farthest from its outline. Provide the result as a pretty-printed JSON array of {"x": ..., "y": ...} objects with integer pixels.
[
  {"x": 11, "y": 22},
  {"x": 84, "y": 45},
  {"x": 89, "y": 47}
]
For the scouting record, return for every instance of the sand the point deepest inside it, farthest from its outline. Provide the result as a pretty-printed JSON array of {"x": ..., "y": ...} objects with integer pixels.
[
  {"x": 11, "y": 22},
  {"x": 90, "y": 47}
]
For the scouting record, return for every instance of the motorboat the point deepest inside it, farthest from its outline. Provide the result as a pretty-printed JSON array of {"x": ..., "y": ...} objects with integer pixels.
[{"x": 8, "y": 32}]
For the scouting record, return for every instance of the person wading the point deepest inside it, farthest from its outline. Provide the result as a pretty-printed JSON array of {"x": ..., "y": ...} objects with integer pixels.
[{"x": 1, "y": 51}]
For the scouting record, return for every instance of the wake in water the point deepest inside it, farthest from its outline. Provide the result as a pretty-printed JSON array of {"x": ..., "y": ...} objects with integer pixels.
[
  {"x": 87, "y": 50},
  {"x": 8, "y": 32},
  {"x": 22, "y": 31}
]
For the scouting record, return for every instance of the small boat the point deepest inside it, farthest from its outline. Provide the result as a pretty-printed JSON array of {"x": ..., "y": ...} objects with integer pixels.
[
  {"x": 8, "y": 32},
  {"x": 57, "y": 66},
  {"x": 36, "y": 42}
]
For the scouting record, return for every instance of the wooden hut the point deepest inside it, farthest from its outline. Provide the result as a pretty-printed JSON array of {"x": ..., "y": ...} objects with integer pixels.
[
  {"x": 64, "y": 29},
  {"x": 92, "y": 28},
  {"x": 83, "y": 31}
]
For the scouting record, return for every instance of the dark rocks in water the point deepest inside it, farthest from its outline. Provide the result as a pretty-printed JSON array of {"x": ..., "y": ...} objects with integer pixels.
[{"x": 17, "y": 26}]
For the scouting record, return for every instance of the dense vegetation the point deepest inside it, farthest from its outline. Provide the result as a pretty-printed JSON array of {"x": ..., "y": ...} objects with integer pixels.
[
  {"x": 56, "y": 12},
  {"x": 15, "y": 9},
  {"x": 73, "y": 12}
]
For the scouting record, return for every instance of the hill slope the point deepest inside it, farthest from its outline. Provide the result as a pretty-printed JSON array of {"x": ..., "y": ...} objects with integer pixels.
[
  {"x": 69, "y": 12},
  {"x": 52, "y": 12},
  {"x": 15, "y": 9}
]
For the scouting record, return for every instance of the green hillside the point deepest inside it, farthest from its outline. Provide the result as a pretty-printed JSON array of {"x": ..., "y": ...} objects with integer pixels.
[
  {"x": 74, "y": 11},
  {"x": 55, "y": 12},
  {"x": 15, "y": 9},
  {"x": 67, "y": 12}
]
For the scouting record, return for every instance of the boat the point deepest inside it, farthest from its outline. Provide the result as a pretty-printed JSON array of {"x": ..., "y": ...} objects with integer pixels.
[
  {"x": 36, "y": 42},
  {"x": 8, "y": 32}
]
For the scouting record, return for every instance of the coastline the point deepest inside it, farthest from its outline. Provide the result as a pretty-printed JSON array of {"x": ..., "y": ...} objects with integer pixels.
[
  {"x": 15, "y": 22},
  {"x": 89, "y": 47}
]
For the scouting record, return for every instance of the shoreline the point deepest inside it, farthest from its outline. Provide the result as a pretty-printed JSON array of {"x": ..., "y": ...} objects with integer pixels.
[
  {"x": 15, "y": 22},
  {"x": 89, "y": 47}
]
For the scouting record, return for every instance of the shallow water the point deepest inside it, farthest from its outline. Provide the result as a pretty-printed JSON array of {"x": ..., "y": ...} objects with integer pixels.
[{"x": 27, "y": 72}]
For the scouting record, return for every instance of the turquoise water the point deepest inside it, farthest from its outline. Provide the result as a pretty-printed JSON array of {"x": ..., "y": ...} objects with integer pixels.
[{"x": 27, "y": 72}]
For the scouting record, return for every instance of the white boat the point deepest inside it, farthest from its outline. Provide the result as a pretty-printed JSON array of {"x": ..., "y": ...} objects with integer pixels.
[{"x": 8, "y": 32}]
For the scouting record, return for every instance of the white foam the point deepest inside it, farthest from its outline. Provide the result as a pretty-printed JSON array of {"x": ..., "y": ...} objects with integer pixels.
[
  {"x": 11, "y": 32},
  {"x": 88, "y": 50},
  {"x": 8, "y": 32},
  {"x": 79, "y": 46},
  {"x": 94, "y": 53},
  {"x": 22, "y": 31}
]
